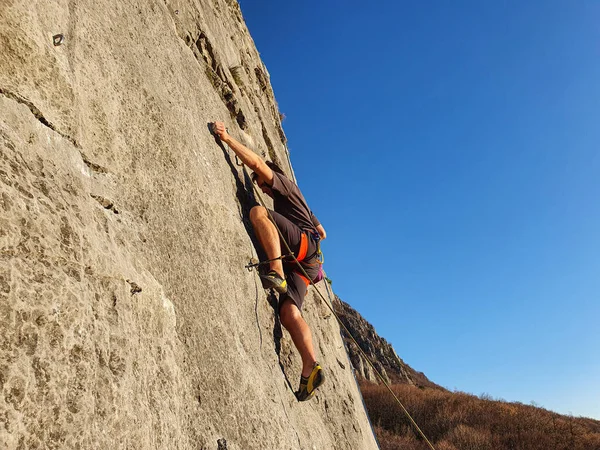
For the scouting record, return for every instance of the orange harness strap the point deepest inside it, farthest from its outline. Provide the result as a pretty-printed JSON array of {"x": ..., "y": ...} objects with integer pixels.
[
  {"x": 301, "y": 256},
  {"x": 303, "y": 247},
  {"x": 306, "y": 280}
]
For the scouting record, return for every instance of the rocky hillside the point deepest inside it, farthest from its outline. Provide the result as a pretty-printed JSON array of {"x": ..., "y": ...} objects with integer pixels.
[
  {"x": 379, "y": 351},
  {"x": 128, "y": 320}
]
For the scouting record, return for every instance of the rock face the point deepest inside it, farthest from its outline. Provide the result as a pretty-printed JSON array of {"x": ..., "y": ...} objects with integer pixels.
[
  {"x": 128, "y": 320},
  {"x": 379, "y": 351}
]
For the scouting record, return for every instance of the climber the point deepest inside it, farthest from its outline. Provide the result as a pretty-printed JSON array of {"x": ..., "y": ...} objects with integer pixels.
[{"x": 302, "y": 231}]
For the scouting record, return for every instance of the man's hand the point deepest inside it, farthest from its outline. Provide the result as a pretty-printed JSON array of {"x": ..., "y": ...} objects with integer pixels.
[
  {"x": 322, "y": 232},
  {"x": 220, "y": 130},
  {"x": 248, "y": 157}
]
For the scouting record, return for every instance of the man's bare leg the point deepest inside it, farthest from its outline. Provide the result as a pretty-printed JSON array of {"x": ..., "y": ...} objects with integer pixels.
[
  {"x": 293, "y": 321},
  {"x": 267, "y": 236}
]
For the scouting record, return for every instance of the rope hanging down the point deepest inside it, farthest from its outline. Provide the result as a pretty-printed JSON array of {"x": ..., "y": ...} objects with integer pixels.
[{"x": 340, "y": 320}]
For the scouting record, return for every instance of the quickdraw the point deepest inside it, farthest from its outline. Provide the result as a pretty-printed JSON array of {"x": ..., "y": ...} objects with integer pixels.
[{"x": 254, "y": 263}]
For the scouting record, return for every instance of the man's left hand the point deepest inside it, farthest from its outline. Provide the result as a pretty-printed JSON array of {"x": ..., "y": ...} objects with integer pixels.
[{"x": 220, "y": 130}]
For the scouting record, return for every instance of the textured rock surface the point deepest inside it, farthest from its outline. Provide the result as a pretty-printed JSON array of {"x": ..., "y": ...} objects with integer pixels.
[
  {"x": 128, "y": 320},
  {"x": 379, "y": 351}
]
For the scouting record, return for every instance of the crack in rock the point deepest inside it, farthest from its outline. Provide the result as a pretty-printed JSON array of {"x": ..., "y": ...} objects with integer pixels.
[
  {"x": 93, "y": 166},
  {"x": 135, "y": 289},
  {"x": 106, "y": 203},
  {"x": 37, "y": 114},
  {"x": 203, "y": 51}
]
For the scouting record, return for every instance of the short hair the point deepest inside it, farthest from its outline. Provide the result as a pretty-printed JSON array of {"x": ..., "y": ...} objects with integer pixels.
[{"x": 274, "y": 167}]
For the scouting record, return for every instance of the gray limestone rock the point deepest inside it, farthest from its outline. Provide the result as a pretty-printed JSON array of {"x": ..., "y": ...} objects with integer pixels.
[{"x": 128, "y": 320}]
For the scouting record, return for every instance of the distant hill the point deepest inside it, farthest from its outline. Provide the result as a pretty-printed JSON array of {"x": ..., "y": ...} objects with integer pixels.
[
  {"x": 450, "y": 420},
  {"x": 459, "y": 421},
  {"x": 380, "y": 351}
]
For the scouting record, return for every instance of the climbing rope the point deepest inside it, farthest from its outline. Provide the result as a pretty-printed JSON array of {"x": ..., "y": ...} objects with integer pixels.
[
  {"x": 362, "y": 399},
  {"x": 340, "y": 320}
]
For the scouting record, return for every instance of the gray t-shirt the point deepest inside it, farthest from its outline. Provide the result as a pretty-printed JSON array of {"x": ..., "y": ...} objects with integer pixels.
[{"x": 290, "y": 203}]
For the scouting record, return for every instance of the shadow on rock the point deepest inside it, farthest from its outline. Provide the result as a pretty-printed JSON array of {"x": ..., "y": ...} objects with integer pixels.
[
  {"x": 246, "y": 201},
  {"x": 244, "y": 191},
  {"x": 278, "y": 334}
]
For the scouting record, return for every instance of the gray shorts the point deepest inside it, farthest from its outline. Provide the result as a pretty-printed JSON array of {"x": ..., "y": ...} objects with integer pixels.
[{"x": 295, "y": 284}]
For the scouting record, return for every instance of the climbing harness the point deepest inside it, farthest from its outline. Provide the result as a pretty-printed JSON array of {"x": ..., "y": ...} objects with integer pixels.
[
  {"x": 365, "y": 356},
  {"x": 316, "y": 257}
]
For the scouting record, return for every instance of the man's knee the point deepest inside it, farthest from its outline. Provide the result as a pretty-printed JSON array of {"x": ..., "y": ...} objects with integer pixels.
[
  {"x": 289, "y": 313},
  {"x": 258, "y": 213}
]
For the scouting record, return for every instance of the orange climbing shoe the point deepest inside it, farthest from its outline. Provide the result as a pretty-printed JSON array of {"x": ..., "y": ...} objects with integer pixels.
[{"x": 309, "y": 385}]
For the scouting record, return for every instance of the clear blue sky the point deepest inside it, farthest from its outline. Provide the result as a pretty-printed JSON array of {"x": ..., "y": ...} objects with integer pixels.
[{"x": 452, "y": 152}]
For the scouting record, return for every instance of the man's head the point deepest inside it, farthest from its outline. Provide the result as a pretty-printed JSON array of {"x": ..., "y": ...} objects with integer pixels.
[
  {"x": 262, "y": 184},
  {"x": 274, "y": 167}
]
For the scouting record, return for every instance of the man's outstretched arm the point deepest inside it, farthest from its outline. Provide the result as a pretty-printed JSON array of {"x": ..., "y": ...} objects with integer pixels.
[{"x": 248, "y": 157}]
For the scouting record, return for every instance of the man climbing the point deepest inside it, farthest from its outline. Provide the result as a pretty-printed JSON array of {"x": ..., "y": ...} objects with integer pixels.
[{"x": 302, "y": 231}]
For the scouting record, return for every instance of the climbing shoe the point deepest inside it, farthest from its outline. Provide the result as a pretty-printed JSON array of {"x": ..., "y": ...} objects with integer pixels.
[
  {"x": 309, "y": 385},
  {"x": 272, "y": 280}
]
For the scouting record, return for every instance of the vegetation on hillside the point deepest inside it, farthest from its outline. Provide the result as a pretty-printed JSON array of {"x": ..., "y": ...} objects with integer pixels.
[{"x": 459, "y": 421}]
